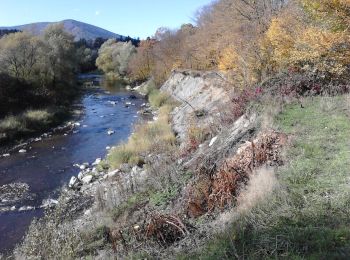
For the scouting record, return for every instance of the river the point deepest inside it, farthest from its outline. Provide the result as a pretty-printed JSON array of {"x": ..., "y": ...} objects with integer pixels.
[{"x": 49, "y": 163}]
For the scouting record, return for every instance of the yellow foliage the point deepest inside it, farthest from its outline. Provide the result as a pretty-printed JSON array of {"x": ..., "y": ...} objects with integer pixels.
[
  {"x": 177, "y": 64},
  {"x": 333, "y": 12},
  {"x": 322, "y": 49},
  {"x": 309, "y": 46},
  {"x": 281, "y": 39},
  {"x": 228, "y": 60}
]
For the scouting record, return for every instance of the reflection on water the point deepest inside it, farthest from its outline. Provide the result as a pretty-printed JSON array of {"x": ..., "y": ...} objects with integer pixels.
[
  {"x": 48, "y": 164},
  {"x": 113, "y": 86}
]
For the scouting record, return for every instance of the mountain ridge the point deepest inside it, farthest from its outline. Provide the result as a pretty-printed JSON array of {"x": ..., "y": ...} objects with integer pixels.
[{"x": 79, "y": 30}]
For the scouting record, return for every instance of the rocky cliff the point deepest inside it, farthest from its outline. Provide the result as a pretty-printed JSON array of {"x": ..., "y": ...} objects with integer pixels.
[{"x": 201, "y": 95}]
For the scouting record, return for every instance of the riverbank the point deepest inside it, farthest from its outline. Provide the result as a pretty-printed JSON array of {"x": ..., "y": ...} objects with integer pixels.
[
  {"x": 213, "y": 192},
  {"x": 48, "y": 162}
]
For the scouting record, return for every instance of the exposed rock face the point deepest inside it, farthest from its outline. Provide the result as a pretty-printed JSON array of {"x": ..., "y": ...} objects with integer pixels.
[{"x": 201, "y": 94}]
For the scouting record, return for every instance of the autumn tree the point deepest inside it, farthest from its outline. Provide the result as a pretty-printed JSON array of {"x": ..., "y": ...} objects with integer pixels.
[
  {"x": 58, "y": 58},
  {"x": 46, "y": 63},
  {"x": 113, "y": 58},
  {"x": 142, "y": 63},
  {"x": 19, "y": 55}
]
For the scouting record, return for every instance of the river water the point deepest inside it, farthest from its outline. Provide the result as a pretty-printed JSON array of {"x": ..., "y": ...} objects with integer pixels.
[{"x": 48, "y": 164}]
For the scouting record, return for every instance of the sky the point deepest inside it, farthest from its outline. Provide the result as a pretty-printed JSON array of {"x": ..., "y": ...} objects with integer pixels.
[{"x": 136, "y": 18}]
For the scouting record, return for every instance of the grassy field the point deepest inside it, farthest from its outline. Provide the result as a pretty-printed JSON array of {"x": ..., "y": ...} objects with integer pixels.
[{"x": 307, "y": 215}]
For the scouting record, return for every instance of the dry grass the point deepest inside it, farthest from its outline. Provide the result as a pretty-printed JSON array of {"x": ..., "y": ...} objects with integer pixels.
[
  {"x": 37, "y": 115},
  {"x": 28, "y": 121},
  {"x": 155, "y": 137},
  {"x": 225, "y": 184},
  {"x": 261, "y": 184}
]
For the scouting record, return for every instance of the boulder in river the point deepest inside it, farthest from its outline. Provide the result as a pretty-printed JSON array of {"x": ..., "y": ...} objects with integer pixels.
[
  {"x": 22, "y": 151},
  {"x": 110, "y": 132}
]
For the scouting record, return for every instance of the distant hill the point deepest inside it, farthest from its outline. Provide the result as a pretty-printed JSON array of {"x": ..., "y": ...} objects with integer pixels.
[{"x": 80, "y": 30}]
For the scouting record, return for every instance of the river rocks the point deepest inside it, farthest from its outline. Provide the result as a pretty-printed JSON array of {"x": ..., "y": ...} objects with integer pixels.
[
  {"x": 87, "y": 179},
  {"x": 14, "y": 192},
  {"x": 145, "y": 111},
  {"x": 6, "y": 155},
  {"x": 81, "y": 175},
  {"x": 22, "y": 151},
  {"x": 127, "y": 104},
  {"x": 97, "y": 162},
  {"x": 113, "y": 103},
  {"x": 49, "y": 203},
  {"x": 26, "y": 208},
  {"x": 110, "y": 132},
  {"x": 74, "y": 183}
]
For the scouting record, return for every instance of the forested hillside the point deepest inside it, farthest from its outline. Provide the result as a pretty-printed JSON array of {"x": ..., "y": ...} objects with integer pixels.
[{"x": 78, "y": 29}]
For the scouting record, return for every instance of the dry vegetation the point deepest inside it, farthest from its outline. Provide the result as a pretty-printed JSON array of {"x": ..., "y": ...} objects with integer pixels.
[
  {"x": 153, "y": 138},
  {"x": 279, "y": 181},
  {"x": 250, "y": 41}
]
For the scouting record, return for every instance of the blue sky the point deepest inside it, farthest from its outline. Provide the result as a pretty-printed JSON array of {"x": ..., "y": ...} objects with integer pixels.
[{"x": 137, "y": 18}]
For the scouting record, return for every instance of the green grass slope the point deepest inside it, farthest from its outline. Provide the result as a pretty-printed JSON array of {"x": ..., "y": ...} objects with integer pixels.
[{"x": 307, "y": 216}]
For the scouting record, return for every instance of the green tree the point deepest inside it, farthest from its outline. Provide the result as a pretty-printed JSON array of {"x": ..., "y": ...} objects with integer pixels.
[
  {"x": 58, "y": 59},
  {"x": 19, "y": 55},
  {"x": 113, "y": 57}
]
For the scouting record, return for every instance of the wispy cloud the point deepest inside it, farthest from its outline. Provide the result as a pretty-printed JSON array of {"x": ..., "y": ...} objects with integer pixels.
[{"x": 97, "y": 12}]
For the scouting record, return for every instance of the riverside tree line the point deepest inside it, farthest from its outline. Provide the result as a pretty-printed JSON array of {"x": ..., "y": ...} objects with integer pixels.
[
  {"x": 249, "y": 41},
  {"x": 36, "y": 70}
]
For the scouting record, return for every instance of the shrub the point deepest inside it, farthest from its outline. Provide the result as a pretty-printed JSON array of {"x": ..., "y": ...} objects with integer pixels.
[
  {"x": 157, "y": 98},
  {"x": 162, "y": 198},
  {"x": 11, "y": 123}
]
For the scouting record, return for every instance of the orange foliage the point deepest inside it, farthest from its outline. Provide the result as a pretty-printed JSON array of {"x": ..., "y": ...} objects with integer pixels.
[{"x": 221, "y": 189}]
